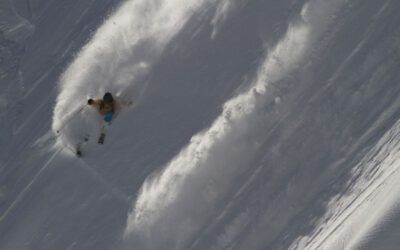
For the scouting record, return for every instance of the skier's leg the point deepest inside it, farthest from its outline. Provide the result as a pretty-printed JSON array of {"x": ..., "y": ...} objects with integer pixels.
[
  {"x": 102, "y": 132},
  {"x": 108, "y": 117},
  {"x": 103, "y": 127}
]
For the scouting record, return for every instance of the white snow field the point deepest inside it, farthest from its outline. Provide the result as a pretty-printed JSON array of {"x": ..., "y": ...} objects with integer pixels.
[{"x": 254, "y": 125}]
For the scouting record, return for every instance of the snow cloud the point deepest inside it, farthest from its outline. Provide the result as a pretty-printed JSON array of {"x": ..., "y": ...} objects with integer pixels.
[
  {"x": 120, "y": 53},
  {"x": 175, "y": 203}
]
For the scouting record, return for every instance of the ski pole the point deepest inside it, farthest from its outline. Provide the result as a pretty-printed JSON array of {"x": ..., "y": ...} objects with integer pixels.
[{"x": 69, "y": 119}]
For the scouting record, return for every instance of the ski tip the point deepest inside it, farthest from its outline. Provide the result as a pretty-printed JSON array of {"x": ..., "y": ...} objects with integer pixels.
[{"x": 78, "y": 153}]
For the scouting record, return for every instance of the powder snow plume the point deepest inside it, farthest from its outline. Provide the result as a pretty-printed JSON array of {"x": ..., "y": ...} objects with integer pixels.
[
  {"x": 174, "y": 204},
  {"x": 120, "y": 53}
]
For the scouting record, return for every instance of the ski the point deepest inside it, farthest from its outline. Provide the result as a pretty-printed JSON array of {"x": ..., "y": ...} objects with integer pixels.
[
  {"x": 70, "y": 118},
  {"x": 101, "y": 138},
  {"x": 103, "y": 130}
]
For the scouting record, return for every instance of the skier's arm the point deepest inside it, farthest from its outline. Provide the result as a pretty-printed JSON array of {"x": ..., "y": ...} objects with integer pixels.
[
  {"x": 124, "y": 104},
  {"x": 96, "y": 102}
]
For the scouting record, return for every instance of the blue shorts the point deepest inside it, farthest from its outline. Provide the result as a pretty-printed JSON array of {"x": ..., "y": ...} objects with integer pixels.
[{"x": 108, "y": 116}]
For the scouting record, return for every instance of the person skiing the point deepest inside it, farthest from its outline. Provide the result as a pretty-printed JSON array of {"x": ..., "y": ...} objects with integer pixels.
[{"x": 106, "y": 107}]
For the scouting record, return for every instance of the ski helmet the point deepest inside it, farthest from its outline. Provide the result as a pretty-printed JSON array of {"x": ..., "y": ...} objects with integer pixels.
[{"x": 108, "y": 98}]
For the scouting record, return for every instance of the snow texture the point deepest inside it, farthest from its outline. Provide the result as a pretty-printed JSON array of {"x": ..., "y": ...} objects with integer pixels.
[{"x": 254, "y": 124}]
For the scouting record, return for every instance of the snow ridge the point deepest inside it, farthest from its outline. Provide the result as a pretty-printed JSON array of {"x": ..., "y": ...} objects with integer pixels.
[{"x": 373, "y": 194}]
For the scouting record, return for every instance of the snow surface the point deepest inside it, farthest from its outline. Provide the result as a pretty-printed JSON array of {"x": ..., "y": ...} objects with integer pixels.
[{"x": 255, "y": 124}]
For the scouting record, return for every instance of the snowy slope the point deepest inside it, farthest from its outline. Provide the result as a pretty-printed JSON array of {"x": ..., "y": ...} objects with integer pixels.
[{"x": 255, "y": 124}]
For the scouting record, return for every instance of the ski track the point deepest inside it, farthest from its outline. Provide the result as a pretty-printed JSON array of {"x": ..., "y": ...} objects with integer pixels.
[
  {"x": 22, "y": 194},
  {"x": 351, "y": 55},
  {"x": 214, "y": 157},
  {"x": 36, "y": 83},
  {"x": 115, "y": 192},
  {"x": 34, "y": 113},
  {"x": 120, "y": 195}
]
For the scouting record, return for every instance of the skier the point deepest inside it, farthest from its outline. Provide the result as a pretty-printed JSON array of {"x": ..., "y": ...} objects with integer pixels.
[{"x": 106, "y": 107}]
